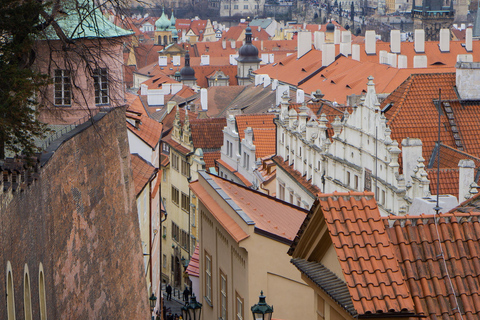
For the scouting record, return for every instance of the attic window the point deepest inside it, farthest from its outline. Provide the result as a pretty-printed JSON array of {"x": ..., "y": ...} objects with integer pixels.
[
  {"x": 387, "y": 107},
  {"x": 322, "y": 76},
  {"x": 303, "y": 69},
  {"x": 331, "y": 81},
  {"x": 348, "y": 86},
  {"x": 438, "y": 63},
  {"x": 280, "y": 63}
]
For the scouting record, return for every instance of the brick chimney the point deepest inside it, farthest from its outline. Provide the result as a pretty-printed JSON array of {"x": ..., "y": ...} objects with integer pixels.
[{"x": 468, "y": 80}]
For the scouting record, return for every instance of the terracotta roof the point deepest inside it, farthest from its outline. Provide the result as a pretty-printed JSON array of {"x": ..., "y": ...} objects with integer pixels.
[
  {"x": 158, "y": 80},
  {"x": 269, "y": 214},
  {"x": 193, "y": 268},
  {"x": 291, "y": 70},
  {"x": 367, "y": 257},
  {"x": 207, "y": 133},
  {"x": 264, "y": 132},
  {"x": 450, "y": 157},
  {"x": 220, "y": 215},
  {"x": 313, "y": 190},
  {"x": 167, "y": 121},
  {"x": 413, "y": 114},
  {"x": 142, "y": 171},
  {"x": 448, "y": 181},
  {"x": 429, "y": 277},
  {"x": 203, "y": 72},
  {"x": 209, "y": 158},
  {"x": 470, "y": 205},
  {"x": 175, "y": 145},
  {"x": 346, "y": 77},
  {"x": 237, "y": 33},
  {"x": 148, "y": 129},
  {"x": 215, "y": 49},
  {"x": 218, "y": 99}
]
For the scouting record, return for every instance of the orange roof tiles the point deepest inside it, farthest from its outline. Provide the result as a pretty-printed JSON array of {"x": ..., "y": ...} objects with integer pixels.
[
  {"x": 417, "y": 242},
  {"x": 264, "y": 131},
  {"x": 372, "y": 273},
  {"x": 207, "y": 133},
  {"x": 158, "y": 80},
  {"x": 269, "y": 214},
  {"x": 148, "y": 129},
  {"x": 233, "y": 171},
  {"x": 448, "y": 181},
  {"x": 450, "y": 157},
  {"x": 167, "y": 121},
  {"x": 142, "y": 171},
  {"x": 209, "y": 158}
]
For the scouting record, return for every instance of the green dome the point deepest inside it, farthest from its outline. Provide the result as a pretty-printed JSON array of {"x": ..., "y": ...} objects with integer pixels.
[
  {"x": 162, "y": 23},
  {"x": 172, "y": 21}
]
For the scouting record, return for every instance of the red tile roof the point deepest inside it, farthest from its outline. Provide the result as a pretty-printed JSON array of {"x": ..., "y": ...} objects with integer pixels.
[
  {"x": 417, "y": 242},
  {"x": 237, "y": 33},
  {"x": 142, "y": 171},
  {"x": 148, "y": 129},
  {"x": 372, "y": 273},
  {"x": 207, "y": 133},
  {"x": 448, "y": 181},
  {"x": 167, "y": 121},
  {"x": 450, "y": 157},
  {"x": 264, "y": 131},
  {"x": 209, "y": 158}
]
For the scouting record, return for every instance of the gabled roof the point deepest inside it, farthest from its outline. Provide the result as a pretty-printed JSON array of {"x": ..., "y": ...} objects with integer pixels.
[
  {"x": 448, "y": 183},
  {"x": 400, "y": 266},
  {"x": 450, "y": 157},
  {"x": 233, "y": 171},
  {"x": 237, "y": 33},
  {"x": 143, "y": 172},
  {"x": 209, "y": 158},
  {"x": 158, "y": 80},
  {"x": 193, "y": 268},
  {"x": 168, "y": 119}
]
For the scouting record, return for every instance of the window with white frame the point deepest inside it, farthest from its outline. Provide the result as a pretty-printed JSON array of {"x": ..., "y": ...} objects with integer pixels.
[
  {"x": 208, "y": 277},
  {"x": 281, "y": 191},
  {"x": 100, "y": 83},
  {"x": 239, "y": 307},
  {"x": 223, "y": 296},
  {"x": 62, "y": 88}
]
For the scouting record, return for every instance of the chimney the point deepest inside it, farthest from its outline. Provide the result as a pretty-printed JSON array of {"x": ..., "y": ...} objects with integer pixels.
[
  {"x": 336, "y": 36},
  {"x": 204, "y": 99},
  {"x": 162, "y": 61},
  {"x": 356, "y": 52},
  {"x": 346, "y": 44},
  {"x": 468, "y": 80},
  {"x": 233, "y": 59},
  {"x": 382, "y": 57},
  {"x": 468, "y": 39},
  {"x": 395, "y": 41},
  {"x": 233, "y": 44},
  {"x": 300, "y": 96},
  {"x": 402, "y": 62},
  {"x": 261, "y": 45},
  {"x": 419, "y": 41},
  {"x": 143, "y": 89},
  {"x": 370, "y": 42},
  {"x": 464, "y": 58},
  {"x": 444, "y": 40},
  {"x": 264, "y": 58},
  {"x": 319, "y": 39},
  {"x": 411, "y": 152},
  {"x": 328, "y": 54},
  {"x": 465, "y": 178},
  {"x": 274, "y": 84},
  {"x": 304, "y": 43},
  {"x": 176, "y": 60},
  {"x": 420, "y": 62},
  {"x": 258, "y": 79},
  {"x": 281, "y": 89},
  {"x": 272, "y": 58},
  {"x": 224, "y": 44},
  {"x": 205, "y": 60},
  {"x": 392, "y": 59},
  {"x": 266, "y": 81}
]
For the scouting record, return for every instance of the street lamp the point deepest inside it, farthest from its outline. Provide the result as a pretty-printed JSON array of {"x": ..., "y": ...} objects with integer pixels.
[
  {"x": 192, "y": 310},
  {"x": 261, "y": 310},
  {"x": 153, "y": 301}
]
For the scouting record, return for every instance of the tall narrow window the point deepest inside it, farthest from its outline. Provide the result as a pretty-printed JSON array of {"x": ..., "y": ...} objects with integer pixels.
[
  {"x": 239, "y": 307},
  {"x": 41, "y": 293},
  {"x": 62, "y": 88},
  {"x": 223, "y": 295},
  {"x": 208, "y": 277},
  {"x": 10, "y": 293},
  {"x": 27, "y": 297},
  {"x": 100, "y": 83}
]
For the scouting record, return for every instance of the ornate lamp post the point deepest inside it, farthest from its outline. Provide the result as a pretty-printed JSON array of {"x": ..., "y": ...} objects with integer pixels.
[
  {"x": 192, "y": 310},
  {"x": 261, "y": 310},
  {"x": 153, "y": 301}
]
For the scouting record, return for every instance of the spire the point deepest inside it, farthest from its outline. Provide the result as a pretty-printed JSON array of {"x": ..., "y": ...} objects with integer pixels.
[{"x": 248, "y": 35}]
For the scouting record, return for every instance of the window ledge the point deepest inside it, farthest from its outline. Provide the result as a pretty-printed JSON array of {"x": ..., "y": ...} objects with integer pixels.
[{"x": 208, "y": 301}]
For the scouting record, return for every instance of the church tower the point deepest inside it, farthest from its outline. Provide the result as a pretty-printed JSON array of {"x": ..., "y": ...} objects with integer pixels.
[
  {"x": 248, "y": 60},
  {"x": 432, "y": 16}
]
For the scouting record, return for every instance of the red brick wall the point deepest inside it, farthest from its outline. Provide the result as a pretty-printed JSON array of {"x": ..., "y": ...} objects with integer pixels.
[{"x": 79, "y": 220}]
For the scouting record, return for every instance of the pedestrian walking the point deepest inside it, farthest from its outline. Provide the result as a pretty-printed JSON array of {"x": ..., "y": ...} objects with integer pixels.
[
  {"x": 186, "y": 293},
  {"x": 169, "y": 292}
]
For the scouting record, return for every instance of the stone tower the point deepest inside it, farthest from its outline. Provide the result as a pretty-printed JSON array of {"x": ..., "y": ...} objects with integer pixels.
[{"x": 432, "y": 16}]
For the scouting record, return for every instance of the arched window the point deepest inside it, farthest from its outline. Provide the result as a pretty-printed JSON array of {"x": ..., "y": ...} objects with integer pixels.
[
  {"x": 27, "y": 297},
  {"x": 10, "y": 293},
  {"x": 165, "y": 40},
  {"x": 41, "y": 293}
]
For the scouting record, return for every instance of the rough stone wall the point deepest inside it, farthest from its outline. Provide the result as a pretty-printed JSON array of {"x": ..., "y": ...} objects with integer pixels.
[{"x": 79, "y": 220}]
